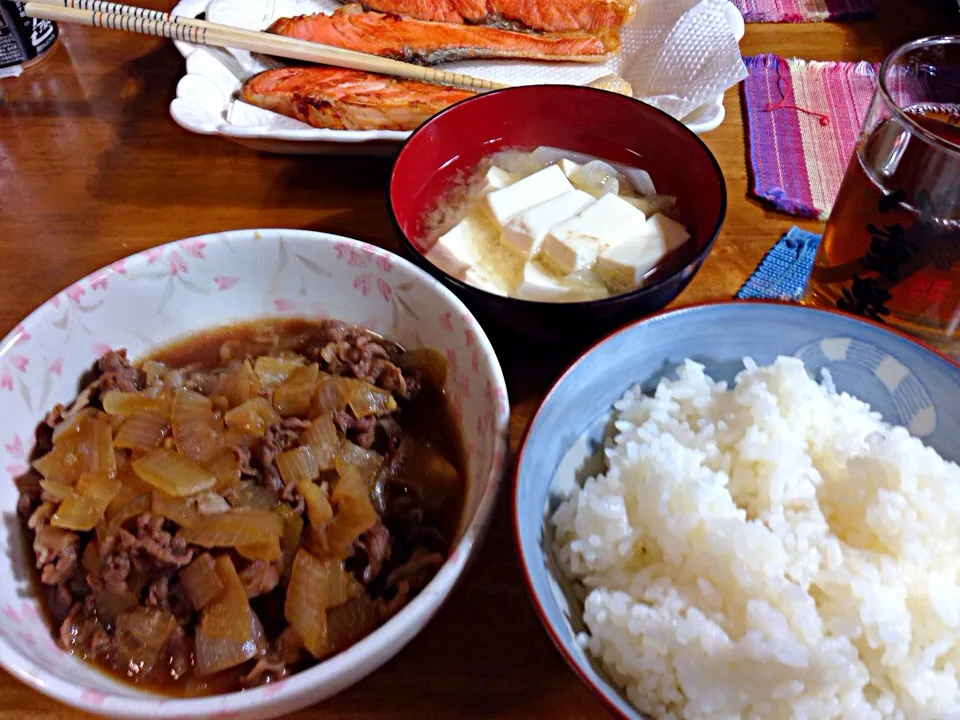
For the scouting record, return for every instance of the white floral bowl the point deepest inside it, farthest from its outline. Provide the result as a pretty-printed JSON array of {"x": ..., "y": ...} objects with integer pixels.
[{"x": 158, "y": 295}]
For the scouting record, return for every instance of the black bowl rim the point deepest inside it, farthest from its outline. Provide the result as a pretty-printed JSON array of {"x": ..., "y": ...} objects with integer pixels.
[
  {"x": 515, "y": 479},
  {"x": 612, "y": 300}
]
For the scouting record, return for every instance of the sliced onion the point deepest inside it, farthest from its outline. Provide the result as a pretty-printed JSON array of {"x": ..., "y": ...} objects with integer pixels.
[
  {"x": 172, "y": 473},
  {"x": 88, "y": 450},
  {"x": 251, "y": 495},
  {"x": 210, "y": 503},
  {"x": 183, "y": 511},
  {"x": 355, "y": 513},
  {"x": 93, "y": 493},
  {"x": 128, "y": 491},
  {"x": 229, "y": 632},
  {"x": 323, "y": 440},
  {"x": 334, "y": 586},
  {"x": 249, "y": 526},
  {"x": 151, "y": 627},
  {"x": 360, "y": 396},
  {"x": 327, "y": 398},
  {"x": 274, "y": 370},
  {"x": 59, "y": 490},
  {"x": 201, "y": 582},
  {"x": 225, "y": 467},
  {"x": 366, "y": 462},
  {"x": 597, "y": 178},
  {"x": 639, "y": 179},
  {"x": 319, "y": 510},
  {"x": 252, "y": 417},
  {"x": 142, "y": 431},
  {"x": 292, "y": 534},
  {"x": 306, "y": 616},
  {"x": 193, "y": 424},
  {"x": 653, "y": 204},
  {"x": 71, "y": 424},
  {"x": 297, "y": 465},
  {"x": 240, "y": 385},
  {"x": 154, "y": 371},
  {"x": 268, "y": 551},
  {"x": 294, "y": 395},
  {"x": 125, "y": 404},
  {"x": 137, "y": 505}
]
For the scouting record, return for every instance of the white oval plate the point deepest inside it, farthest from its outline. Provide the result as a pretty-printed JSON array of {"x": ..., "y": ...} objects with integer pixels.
[{"x": 206, "y": 102}]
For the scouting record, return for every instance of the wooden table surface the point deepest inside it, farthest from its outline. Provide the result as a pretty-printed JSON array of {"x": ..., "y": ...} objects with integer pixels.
[{"x": 92, "y": 169}]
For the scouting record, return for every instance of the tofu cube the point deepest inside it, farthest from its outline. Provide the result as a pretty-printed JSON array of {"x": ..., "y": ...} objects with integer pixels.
[
  {"x": 575, "y": 243},
  {"x": 459, "y": 248},
  {"x": 626, "y": 263},
  {"x": 539, "y": 285},
  {"x": 524, "y": 233},
  {"x": 534, "y": 189},
  {"x": 497, "y": 179}
]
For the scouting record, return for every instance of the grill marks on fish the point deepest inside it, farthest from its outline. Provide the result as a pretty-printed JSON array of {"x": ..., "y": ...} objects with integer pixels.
[
  {"x": 339, "y": 99},
  {"x": 549, "y": 15},
  {"x": 430, "y": 42}
]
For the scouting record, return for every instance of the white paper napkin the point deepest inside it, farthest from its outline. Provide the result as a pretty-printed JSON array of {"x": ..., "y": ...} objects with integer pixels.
[{"x": 677, "y": 54}]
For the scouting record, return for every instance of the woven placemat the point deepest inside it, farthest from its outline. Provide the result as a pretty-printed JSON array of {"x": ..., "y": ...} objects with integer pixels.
[
  {"x": 802, "y": 119},
  {"x": 803, "y": 11}
]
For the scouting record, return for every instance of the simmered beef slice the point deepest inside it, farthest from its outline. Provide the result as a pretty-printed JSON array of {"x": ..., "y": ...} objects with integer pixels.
[
  {"x": 343, "y": 350},
  {"x": 260, "y": 577},
  {"x": 406, "y": 580},
  {"x": 374, "y": 548},
  {"x": 274, "y": 665},
  {"x": 81, "y": 631},
  {"x": 56, "y": 550},
  {"x": 148, "y": 547},
  {"x": 30, "y": 491},
  {"x": 382, "y": 434},
  {"x": 116, "y": 373},
  {"x": 278, "y": 438}
]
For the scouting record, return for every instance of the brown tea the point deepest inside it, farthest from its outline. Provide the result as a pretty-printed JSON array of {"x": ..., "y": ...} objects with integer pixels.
[{"x": 891, "y": 249}]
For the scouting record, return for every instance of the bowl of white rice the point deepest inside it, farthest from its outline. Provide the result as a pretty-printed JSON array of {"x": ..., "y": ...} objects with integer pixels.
[{"x": 750, "y": 510}]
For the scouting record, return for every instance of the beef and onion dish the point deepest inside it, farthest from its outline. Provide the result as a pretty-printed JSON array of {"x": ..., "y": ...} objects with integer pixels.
[{"x": 242, "y": 504}]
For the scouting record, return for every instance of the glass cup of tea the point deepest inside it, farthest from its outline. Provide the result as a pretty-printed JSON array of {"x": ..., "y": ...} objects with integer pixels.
[{"x": 891, "y": 248}]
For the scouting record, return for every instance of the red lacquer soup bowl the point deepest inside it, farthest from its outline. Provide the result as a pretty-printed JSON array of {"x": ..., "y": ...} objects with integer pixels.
[{"x": 583, "y": 120}]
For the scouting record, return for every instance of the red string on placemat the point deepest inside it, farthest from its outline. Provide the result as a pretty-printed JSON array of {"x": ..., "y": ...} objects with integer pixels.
[{"x": 782, "y": 103}]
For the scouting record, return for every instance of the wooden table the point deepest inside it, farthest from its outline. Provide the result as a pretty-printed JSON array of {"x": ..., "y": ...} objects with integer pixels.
[{"x": 92, "y": 169}]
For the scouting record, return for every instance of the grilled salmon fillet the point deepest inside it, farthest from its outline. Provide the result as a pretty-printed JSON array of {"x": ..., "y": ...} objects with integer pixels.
[
  {"x": 549, "y": 15},
  {"x": 427, "y": 42},
  {"x": 338, "y": 99}
]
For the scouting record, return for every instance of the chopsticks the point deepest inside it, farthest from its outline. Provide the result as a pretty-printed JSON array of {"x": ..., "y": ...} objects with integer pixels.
[{"x": 114, "y": 16}]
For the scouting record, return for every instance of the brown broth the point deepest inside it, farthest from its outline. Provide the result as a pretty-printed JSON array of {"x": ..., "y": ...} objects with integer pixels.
[{"x": 427, "y": 418}]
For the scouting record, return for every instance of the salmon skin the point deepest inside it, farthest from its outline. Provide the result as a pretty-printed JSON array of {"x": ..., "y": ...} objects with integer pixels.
[
  {"x": 427, "y": 42},
  {"x": 338, "y": 99},
  {"x": 548, "y": 15}
]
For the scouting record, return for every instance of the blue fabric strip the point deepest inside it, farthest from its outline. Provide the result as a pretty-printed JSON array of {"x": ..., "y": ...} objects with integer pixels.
[{"x": 783, "y": 272}]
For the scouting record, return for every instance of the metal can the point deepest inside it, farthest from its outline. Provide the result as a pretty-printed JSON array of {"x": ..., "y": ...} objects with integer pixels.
[{"x": 23, "y": 40}]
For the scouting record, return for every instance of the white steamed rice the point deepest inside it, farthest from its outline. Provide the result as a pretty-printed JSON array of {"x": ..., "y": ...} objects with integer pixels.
[{"x": 774, "y": 550}]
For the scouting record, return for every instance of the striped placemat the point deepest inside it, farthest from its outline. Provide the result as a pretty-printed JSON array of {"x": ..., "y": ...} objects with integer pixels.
[
  {"x": 802, "y": 11},
  {"x": 803, "y": 119}
]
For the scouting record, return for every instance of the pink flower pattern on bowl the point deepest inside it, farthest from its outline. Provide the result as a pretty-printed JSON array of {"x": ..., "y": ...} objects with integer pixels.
[{"x": 169, "y": 291}]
